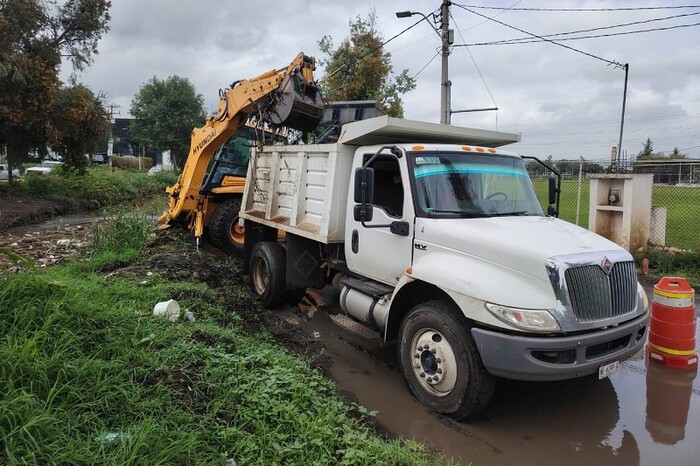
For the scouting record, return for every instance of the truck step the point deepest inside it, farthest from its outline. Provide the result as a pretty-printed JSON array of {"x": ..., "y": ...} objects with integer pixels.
[
  {"x": 354, "y": 326},
  {"x": 369, "y": 287}
]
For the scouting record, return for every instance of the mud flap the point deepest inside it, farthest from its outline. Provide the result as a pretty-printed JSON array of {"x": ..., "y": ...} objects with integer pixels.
[{"x": 303, "y": 263}]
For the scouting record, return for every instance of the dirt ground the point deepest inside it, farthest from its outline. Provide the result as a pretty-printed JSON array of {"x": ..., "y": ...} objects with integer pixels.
[{"x": 24, "y": 210}]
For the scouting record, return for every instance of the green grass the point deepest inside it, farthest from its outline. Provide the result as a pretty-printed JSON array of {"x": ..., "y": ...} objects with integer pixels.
[
  {"x": 97, "y": 189},
  {"x": 682, "y": 214},
  {"x": 89, "y": 376}
]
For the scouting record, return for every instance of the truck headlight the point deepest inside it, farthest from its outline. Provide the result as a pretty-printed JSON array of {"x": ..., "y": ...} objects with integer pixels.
[
  {"x": 527, "y": 319},
  {"x": 643, "y": 298}
]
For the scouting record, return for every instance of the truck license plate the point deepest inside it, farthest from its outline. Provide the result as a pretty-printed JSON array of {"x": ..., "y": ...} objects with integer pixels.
[{"x": 607, "y": 370}]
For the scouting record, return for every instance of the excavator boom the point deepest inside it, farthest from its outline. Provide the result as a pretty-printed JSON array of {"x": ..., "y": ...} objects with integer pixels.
[{"x": 286, "y": 97}]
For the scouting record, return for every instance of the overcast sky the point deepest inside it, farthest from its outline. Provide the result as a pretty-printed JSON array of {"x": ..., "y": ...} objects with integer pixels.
[{"x": 564, "y": 103}]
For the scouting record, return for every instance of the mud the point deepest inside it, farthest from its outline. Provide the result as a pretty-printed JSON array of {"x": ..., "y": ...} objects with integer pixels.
[
  {"x": 23, "y": 210},
  {"x": 644, "y": 414}
]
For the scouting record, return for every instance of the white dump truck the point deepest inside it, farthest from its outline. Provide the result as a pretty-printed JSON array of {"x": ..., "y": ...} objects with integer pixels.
[{"x": 434, "y": 237}]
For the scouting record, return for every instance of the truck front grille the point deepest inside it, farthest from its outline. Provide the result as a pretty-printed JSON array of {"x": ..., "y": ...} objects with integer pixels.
[{"x": 595, "y": 295}]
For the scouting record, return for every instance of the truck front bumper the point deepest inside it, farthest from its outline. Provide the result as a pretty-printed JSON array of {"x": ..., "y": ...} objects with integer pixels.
[{"x": 558, "y": 358}]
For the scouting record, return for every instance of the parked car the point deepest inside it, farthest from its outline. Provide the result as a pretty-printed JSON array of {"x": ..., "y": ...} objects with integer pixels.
[
  {"x": 99, "y": 157},
  {"x": 155, "y": 169},
  {"x": 4, "y": 172},
  {"x": 44, "y": 169}
]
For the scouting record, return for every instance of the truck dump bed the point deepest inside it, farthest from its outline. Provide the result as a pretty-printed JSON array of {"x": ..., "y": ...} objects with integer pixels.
[{"x": 303, "y": 189}]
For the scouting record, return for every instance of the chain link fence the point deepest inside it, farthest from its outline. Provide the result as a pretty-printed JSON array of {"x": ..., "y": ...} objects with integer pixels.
[{"x": 675, "y": 219}]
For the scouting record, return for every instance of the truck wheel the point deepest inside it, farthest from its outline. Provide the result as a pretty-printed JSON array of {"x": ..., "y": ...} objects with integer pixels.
[
  {"x": 267, "y": 276},
  {"x": 224, "y": 231},
  {"x": 440, "y": 362}
]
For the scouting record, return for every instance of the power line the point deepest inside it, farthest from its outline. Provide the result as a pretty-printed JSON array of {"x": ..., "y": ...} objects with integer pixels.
[
  {"x": 676, "y": 7},
  {"x": 610, "y": 62},
  {"x": 594, "y": 36},
  {"x": 475, "y": 64},
  {"x": 497, "y": 14},
  {"x": 519, "y": 39},
  {"x": 370, "y": 52},
  {"x": 426, "y": 65}
]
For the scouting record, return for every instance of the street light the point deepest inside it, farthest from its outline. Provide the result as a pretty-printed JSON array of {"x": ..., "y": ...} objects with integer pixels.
[{"x": 447, "y": 38}]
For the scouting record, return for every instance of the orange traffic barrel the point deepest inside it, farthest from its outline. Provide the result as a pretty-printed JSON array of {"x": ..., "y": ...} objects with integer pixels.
[{"x": 672, "y": 324}]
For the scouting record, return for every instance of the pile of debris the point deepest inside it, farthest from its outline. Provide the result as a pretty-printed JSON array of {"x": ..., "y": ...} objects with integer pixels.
[{"x": 44, "y": 248}]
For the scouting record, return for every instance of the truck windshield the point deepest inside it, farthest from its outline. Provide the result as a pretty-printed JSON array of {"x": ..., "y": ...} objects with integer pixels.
[{"x": 471, "y": 185}]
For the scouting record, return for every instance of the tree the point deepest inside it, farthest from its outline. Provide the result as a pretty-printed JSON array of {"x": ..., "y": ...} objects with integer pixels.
[
  {"x": 80, "y": 121},
  {"x": 360, "y": 69},
  {"x": 33, "y": 36},
  {"x": 677, "y": 154},
  {"x": 647, "y": 152},
  {"x": 165, "y": 112}
]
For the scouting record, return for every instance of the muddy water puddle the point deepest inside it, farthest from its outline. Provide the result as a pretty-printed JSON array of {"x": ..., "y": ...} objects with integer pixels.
[{"x": 644, "y": 414}]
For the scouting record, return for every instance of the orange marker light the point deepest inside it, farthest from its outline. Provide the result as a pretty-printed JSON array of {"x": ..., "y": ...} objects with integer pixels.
[
  {"x": 409, "y": 271},
  {"x": 493, "y": 151},
  {"x": 467, "y": 148},
  {"x": 417, "y": 147},
  {"x": 479, "y": 149}
]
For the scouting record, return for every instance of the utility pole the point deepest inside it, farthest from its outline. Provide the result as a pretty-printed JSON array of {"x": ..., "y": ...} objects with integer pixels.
[
  {"x": 622, "y": 119},
  {"x": 447, "y": 37},
  {"x": 446, "y": 86}
]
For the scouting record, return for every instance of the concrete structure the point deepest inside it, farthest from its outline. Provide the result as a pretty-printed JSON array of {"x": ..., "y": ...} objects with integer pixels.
[{"x": 620, "y": 209}]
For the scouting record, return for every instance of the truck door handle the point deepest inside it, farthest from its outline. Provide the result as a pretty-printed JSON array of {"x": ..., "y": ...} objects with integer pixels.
[{"x": 355, "y": 241}]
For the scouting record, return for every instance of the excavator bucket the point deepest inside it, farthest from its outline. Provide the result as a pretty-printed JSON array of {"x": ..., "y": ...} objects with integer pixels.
[{"x": 298, "y": 106}]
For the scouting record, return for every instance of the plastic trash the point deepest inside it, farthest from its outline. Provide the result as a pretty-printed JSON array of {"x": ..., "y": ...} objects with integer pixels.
[
  {"x": 169, "y": 309},
  {"x": 109, "y": 437}
]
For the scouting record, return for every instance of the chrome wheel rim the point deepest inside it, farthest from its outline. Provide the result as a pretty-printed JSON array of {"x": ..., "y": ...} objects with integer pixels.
[{"x": 433, "y": 362}]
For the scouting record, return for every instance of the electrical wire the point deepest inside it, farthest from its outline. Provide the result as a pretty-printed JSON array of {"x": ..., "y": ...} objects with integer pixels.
[
  {"x": 475, "y": 64},
  {"x": 595, "y": 36},
  {"x": 610, "y": 62},
  {"x": 370, "y": 52},
  {"x": 519, "y": 39},
  {"x": 426, "y": 65},
  {"x": 497, "y": 14},
  {"x": 676, "y": 7}
]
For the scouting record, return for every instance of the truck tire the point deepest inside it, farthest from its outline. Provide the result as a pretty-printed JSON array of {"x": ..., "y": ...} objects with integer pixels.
[
  {"x": 441, "y": 363},
  {"x": 266, "y": 275},
  {"x": 224, "y": 231}
]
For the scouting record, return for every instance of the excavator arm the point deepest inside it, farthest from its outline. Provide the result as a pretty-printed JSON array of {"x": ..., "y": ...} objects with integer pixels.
[{"x": 286, "y": 97}]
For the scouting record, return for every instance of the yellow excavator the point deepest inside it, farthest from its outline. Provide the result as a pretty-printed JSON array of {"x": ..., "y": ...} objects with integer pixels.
[{"x": 207, "y": 195}]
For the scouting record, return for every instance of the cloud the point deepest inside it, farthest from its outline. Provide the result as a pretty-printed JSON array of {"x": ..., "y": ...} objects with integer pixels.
[{"x": 565, "y": 103}]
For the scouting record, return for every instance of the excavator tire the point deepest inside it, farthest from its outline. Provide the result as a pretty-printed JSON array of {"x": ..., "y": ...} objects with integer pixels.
[{"x": 224, "y": 231}]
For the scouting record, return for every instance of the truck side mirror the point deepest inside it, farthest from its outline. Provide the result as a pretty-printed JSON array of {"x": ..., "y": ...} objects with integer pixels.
[
  {"x": 553, "y": 194},
  {"x": 364, "y": 184},
  {"x": 552, "y": 189}
]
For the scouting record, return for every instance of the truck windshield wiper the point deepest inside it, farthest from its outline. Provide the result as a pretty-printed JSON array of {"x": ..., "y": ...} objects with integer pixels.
[
  {"x": 517, "y": 213},
  {"x": 466, "y": 214}
]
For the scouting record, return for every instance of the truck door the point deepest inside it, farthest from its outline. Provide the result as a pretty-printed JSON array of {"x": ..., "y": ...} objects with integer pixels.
[{"x": 379, "y": 253}]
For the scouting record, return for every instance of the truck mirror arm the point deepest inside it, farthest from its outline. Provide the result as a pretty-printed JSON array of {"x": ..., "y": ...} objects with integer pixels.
[
  {"x": 554, "y": 186},
  {"x": 361, "y": 212}
]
